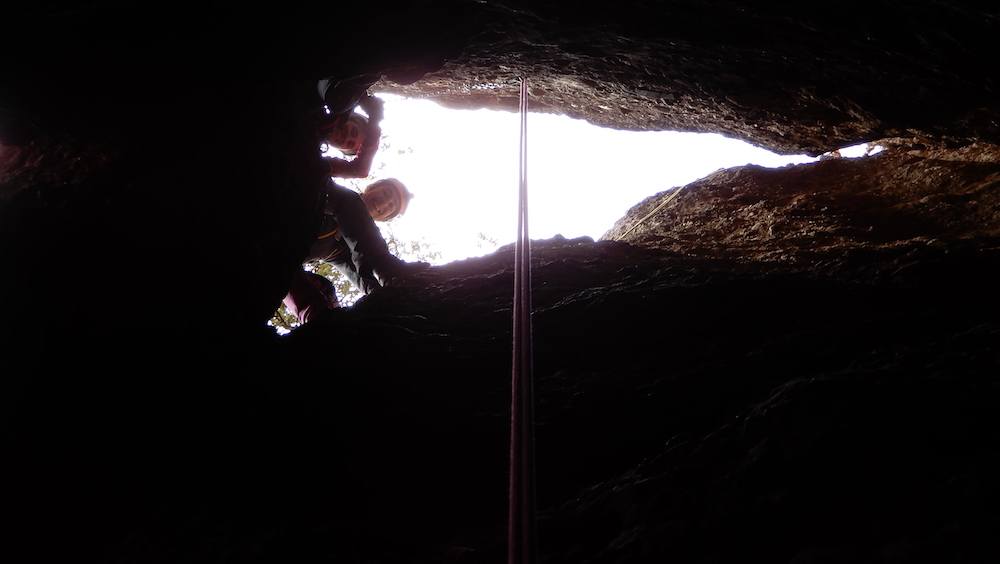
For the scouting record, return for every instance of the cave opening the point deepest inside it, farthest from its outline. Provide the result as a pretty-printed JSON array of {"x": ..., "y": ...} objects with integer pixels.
[
  {"x": 799, "y": 362},
  {"x": 583, "y": 177}
]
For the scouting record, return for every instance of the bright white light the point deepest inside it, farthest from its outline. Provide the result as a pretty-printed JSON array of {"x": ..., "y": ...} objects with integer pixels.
[
  {"x": 462, "y": 167},
  {"x": 278, "y": 330},
  {"x": 854, "y": 151},
  {"x": 857, "y": 151}
]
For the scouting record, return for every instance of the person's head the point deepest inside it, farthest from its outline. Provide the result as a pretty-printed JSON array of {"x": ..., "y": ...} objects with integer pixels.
[
  {"x": 386, "y": 199},
  {"x": 346, "y": 133}
]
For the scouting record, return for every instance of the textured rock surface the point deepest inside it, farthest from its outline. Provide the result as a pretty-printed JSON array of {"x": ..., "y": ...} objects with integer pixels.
[
  {"x": 826, "y": 403},
  {"x": 800, "y": 77},
  {"x": 900, "y": 199},
  {"x": 792, "y": 77}
]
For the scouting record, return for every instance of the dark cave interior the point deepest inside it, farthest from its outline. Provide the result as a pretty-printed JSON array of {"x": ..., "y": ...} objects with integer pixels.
[{"x": 794, "y": 365}]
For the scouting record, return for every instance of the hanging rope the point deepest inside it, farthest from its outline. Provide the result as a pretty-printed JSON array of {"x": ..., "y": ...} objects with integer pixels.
[
  {"x": 521, "y": 517},
  {"x": 650, "y": 214}
]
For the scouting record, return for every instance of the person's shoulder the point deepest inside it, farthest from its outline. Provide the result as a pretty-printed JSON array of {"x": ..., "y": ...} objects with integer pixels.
[
  {"x": 341, "y": 197},
  {"x": 332, "y": 186}
]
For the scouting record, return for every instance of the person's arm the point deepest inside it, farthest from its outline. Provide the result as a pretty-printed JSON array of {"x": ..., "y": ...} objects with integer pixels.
[
  {"x": 308, "y": 294},
  {"x": 369, "y": 252},
  {"x": 361, "y": 165},
  {"x": 343, "y": 168},
  {"x": 344, "y": 265}
]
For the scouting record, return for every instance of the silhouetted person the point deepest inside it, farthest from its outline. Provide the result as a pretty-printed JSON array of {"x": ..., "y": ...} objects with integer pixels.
[
  {"x": 353, "y": 135},
  {"x": 349, "y": 239}
]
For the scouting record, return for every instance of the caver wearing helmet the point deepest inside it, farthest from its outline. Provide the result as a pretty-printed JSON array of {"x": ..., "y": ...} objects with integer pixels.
[
  {"x": 346, "y": 133},
  {"x": 349, "y": 239},
  {"x": 386, "y": 199},
  {"x": 355, "y": 136}
]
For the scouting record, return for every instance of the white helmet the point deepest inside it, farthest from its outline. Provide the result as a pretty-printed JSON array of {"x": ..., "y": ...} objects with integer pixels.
[{"x": 384, "y": 208}]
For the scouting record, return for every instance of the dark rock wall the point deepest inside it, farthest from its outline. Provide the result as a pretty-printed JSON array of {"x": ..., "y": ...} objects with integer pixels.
[
  {"x": 790, "y": 76},
  {"x": 791, "y": 365},
  {"x": 794, "y": 77},
  {"x": 900, "y": 198}
]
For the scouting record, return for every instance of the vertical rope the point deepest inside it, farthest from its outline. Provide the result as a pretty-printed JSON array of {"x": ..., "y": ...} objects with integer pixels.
[{"x": 521, "y": 517}]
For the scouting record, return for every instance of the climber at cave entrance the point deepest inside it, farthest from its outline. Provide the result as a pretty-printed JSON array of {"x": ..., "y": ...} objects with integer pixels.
[
  {"x": 349, "y": 239},
  {"x": 351, "y": 133}
]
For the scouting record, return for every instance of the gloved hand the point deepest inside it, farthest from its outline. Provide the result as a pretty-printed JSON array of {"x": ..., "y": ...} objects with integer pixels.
[{"x": 399, "y": 272}]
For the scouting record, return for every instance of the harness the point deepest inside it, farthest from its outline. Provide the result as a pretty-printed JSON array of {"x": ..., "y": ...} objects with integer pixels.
[
  {"x": 330, "y": 229},
  {"x": 335, "y": 232}
]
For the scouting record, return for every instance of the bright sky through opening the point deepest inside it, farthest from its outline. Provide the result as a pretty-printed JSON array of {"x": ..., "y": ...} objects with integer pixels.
[{"x": 462, "y": 167}]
